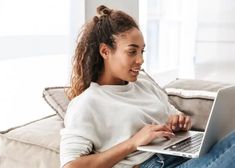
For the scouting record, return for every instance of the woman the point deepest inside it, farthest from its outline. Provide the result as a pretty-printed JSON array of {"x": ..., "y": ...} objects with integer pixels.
[{"x": 113, "y": 111}]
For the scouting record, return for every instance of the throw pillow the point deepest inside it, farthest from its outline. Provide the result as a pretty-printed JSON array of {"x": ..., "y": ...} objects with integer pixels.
[{"x": 57, "y": 99}]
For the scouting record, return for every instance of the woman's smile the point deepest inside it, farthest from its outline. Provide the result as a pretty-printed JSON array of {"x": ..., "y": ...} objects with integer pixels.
[{"x": 135, "y": 71}]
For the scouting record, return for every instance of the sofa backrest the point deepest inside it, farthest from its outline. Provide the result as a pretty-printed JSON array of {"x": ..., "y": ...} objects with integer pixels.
[{"x": 194, "y": 98}]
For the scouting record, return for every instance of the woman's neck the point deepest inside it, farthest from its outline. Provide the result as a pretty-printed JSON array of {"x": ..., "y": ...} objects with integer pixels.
[{"x": 105, "y": 79}]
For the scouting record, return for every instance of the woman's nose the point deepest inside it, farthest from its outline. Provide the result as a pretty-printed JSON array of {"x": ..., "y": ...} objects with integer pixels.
[{"x": 140, "y": 59}]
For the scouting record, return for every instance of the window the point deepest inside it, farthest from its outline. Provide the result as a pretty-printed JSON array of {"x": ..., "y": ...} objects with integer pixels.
[{"x": 169, "y": 28}]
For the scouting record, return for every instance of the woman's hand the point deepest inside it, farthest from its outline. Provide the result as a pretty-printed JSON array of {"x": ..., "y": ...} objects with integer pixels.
[
  {"x": 149, "y": 132},
  {"x": 179, "y": 122}
]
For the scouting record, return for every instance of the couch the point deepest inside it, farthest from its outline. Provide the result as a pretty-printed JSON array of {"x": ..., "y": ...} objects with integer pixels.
[{"x": 36, "y": 144}]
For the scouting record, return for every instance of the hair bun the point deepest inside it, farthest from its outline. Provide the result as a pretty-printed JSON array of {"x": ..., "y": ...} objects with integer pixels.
[{"x": 103, "y": 10}]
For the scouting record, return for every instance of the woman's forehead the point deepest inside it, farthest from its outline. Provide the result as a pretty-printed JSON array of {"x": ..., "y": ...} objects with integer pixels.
[{"x": 130, "y": 38}]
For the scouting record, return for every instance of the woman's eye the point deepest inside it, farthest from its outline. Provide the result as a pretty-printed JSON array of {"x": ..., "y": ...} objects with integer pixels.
[{"x": 132, "y": 52}]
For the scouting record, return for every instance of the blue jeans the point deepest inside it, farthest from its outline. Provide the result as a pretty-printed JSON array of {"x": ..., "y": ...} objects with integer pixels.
[{"x": 221, "y": 155}]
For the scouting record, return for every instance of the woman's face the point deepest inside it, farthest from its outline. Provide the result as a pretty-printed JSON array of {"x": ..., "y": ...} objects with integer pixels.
[{"x": 124, "y": 63}]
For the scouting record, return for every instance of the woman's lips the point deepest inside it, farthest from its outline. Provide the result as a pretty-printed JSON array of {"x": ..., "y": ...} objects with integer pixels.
[{"x": 134, "y": 72}]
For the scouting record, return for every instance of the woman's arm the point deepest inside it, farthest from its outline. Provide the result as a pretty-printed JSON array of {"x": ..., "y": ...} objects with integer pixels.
[
  {"x": 105, "y": 159},
  {"x": 109, "y": 158}
]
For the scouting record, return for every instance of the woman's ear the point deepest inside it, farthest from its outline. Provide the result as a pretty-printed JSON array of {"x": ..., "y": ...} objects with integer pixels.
[{"x": 104, "y": 51}]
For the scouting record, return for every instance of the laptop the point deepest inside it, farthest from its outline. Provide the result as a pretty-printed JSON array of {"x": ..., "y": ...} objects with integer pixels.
[{"x": 193, "y": 144}]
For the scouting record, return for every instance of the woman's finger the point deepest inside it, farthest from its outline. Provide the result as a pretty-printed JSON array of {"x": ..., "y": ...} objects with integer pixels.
[
  {"x": 164, "y": 134},
  {"x": 181, "y": 121},
  {"x": 175, "y": 122},
  {"x": 187, "y": 124},
  {"x": 161, "y": 128}
]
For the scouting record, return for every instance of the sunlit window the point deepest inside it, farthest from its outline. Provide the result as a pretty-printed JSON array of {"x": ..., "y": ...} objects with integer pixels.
[{"x": 169, "y": 28}]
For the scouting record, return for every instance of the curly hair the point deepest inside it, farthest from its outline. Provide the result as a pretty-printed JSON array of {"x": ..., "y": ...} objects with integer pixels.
[{"x": 87, "y": 62}]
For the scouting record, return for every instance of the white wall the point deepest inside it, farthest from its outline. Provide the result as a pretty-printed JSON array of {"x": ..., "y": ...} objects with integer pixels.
[
  {"x": 33, "y": 28},
  {"x": 32, "y": 45},
  {"x": 76, "y": 21},
  {"x": 130, "y": 6},
  {"x": 33, "y": 55}
]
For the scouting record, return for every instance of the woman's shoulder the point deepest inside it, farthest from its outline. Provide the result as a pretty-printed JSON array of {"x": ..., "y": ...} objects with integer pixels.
[
  {"x": 79, "y": 108},
  {"x": 82, "y": 101},
  {"x": 85, "y": 98},
  {"x": 143, "y": 80},
  {"x": 147, "y": 82}
]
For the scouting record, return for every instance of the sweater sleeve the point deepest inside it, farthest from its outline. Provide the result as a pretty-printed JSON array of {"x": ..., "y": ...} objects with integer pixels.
[{"x": 77, "y": 136}]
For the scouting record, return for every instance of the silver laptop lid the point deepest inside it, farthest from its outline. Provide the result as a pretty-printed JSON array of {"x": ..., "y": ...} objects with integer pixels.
[{"x": 221, "y": 118}]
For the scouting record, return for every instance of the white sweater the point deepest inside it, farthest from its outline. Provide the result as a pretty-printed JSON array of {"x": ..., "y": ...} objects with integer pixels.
[{"x": 106, "y": 115}]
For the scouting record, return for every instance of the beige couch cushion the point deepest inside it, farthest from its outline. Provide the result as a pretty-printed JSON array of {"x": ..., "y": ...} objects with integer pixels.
[
  {"x": 34, "y": 145},
  {"x": 194, "y": 98}
]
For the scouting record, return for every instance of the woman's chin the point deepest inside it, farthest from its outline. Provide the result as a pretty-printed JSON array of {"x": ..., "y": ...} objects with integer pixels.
[{"x": 133, "y": 79}]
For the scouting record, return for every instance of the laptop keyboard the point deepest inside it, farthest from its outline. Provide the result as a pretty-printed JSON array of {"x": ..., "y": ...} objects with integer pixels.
[{"x": 188, "y": 145}]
